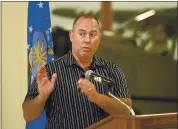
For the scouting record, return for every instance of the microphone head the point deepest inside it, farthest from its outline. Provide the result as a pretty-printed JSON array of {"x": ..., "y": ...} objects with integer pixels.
[{"x": 88, "y": 73}]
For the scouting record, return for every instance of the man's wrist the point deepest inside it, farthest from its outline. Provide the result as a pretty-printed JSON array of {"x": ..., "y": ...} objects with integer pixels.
[
  {"x": 40, "y": 100},
  {"x": 94, "y": 98}
]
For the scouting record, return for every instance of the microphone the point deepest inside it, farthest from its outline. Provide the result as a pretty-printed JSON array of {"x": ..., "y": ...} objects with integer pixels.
[{"x": 89, "y": 74}]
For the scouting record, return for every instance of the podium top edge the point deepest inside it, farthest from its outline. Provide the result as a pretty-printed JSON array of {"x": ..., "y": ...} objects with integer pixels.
[{"x": 175, "y": 114}]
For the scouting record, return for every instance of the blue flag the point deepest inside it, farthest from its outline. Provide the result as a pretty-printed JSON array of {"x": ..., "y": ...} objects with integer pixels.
[{"x": 40, "y": 47}]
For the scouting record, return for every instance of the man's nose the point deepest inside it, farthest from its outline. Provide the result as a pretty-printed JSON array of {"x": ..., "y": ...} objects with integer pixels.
[{"x": 87, "y": 39}]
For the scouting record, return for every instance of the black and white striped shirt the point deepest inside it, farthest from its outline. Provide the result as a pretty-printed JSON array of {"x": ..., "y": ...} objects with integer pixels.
[{"x": 66, "y": 107}]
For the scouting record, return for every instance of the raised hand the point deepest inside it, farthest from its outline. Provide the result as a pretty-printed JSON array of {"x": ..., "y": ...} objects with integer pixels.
[{"x": 45, "y": 86}]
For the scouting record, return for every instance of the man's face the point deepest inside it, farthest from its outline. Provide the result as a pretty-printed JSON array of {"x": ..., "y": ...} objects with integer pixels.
[{"x": 85, "y": 37}]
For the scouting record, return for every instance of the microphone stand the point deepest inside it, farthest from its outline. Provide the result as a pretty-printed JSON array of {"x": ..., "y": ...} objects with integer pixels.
[
  {"x": 116, "y": 98},
  {"x": 130, "y": 109}
]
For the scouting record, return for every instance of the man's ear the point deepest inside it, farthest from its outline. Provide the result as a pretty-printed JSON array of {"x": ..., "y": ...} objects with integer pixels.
[{"x": 71, "y": 35}]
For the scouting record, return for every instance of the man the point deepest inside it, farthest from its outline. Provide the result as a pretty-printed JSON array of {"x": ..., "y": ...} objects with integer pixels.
[{"x": 72, "y": 102}]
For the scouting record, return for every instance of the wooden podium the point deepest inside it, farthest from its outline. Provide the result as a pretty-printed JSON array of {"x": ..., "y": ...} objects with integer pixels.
[{"x": 152, "y": 121}]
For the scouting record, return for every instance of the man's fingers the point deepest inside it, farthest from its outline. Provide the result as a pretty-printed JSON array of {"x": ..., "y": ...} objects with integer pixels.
[
  {"x": 54, "y": 76},
  {"x": 42, "y": 70},
  {"x": 40, "y": 78},
  {"x": 85, "y": 90},
  {"x": 43, "y": 81},
  {"x": 85, "y": 86},
  {"x": 81, "y": 81},
  {"x": 41, "y": 73}
]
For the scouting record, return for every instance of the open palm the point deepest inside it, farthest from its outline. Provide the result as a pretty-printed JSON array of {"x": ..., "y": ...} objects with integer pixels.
[{"x": 45, "y": 86}]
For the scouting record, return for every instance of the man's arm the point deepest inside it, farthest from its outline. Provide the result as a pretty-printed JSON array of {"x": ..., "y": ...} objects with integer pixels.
[
  {"x": 33, "y": 108},
  {"x": 112, "y": 106},
  {"x": 109, "y": 105},
  {"x": 121, "y": 91}
]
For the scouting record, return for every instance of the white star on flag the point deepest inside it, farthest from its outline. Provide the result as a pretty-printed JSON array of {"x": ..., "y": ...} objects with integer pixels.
[
  {"x": 52, "y": 59},
  {"x": 28, "y": 46},
  {"x": 40, "y": 5},
  {"x": 30, "y": 29},
  {"x": 50, "y": 30}
]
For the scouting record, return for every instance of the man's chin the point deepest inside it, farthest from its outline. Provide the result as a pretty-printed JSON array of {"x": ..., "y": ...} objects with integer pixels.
[{"x": 86, "y": 54}]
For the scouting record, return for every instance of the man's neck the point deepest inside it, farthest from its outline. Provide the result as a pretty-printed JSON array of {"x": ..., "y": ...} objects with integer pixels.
[{"x": 83, "y": 62}]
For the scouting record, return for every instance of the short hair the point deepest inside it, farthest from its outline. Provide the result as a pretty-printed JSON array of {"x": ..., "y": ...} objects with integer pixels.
[{"x": 85, "y": 16}]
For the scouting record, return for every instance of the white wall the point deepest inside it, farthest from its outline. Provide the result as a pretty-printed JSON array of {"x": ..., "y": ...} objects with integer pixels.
[
  {"x": 14, "y": 63},
  {"x": 0, "y": 67}
]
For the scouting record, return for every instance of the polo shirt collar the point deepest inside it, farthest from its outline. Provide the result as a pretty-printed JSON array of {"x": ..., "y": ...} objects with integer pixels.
[{"x": 70, "y": 60}]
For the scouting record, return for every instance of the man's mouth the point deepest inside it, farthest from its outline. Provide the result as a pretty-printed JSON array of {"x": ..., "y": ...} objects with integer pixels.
[{"x": 86, "y": 48}]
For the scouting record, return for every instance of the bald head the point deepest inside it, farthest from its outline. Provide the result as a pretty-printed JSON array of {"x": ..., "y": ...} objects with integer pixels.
[{"x": 81, "y": 17}]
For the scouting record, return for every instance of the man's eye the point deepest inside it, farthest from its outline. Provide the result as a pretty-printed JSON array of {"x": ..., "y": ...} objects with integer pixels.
[
  {"x": 92, "y": 34},
  {"x": 81, "y": 34}
]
